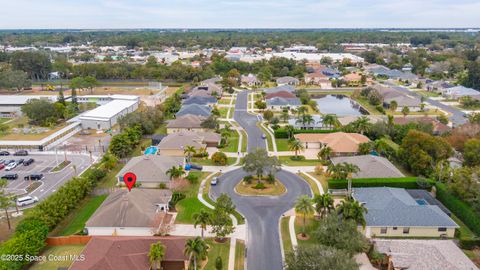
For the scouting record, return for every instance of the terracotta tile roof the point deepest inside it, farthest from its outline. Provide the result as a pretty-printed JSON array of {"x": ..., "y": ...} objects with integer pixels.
[
  {"x": 127, "y": 253},
  {"x": 353, "y": 77},
  {"x": 340, "y": 142}
]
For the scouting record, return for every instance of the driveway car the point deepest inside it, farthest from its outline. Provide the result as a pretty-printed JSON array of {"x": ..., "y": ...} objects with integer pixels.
[
  {"x": 34, "y": 176},
  {"x": 21, "y": 153},
  {"x": 214, "y": 181},
  {"x": 196, "y": 167},
  {"x": 2, "y": 166},
  {"x": 11, "y": 176},
  {"x": 4, "y": 153},
  {"x": 27, "y": 200}
]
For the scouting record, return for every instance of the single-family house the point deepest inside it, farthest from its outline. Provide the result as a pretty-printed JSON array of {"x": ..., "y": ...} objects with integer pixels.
[
  {"x": 151, "y": 170},
  {"x": 341, "y": 143},
  {"x": 438, "y": 128},
  {"x": 315, "y": 122},
  {"x": 287, "y": 80},
  {"x": 345, "y": 120},
  {"x": 393, "y": 212},
  {"x": 250, "y": 80},
  {"x": 127, "y": 253},
  {"x": 403, "y": 100},
  {"x": 438, "y": 86},
  {"x": 353, "y": 79},
  {"x": 188, "y": 122},
  {"x": 279, "y": 103},
  {"x": 281, "y": 88},
  {"x": 370, "y": 166},
  {"x": 206, "y": 89},
  {"x": 318, "y": 78},
  {"x": 200, "y": 110},
  {"x": 281, "y": 94},
  {"x": 200, "y": 100},
  {"x": 175, "y": 144},
  {"x": 422, "y": 254},
  {"x": 139, "y": 212},
  {"x": 459, "y": 91}
]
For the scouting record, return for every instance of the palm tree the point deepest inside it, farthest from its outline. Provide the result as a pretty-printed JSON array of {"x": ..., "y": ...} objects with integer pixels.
[
  {"x": 156, "y": 254},
  {"x": 301, "y": 111},
  {"x": 285, "y": 115},
  {"x": 175, "y": 172},
  {"x": 225, "y": 135},
  {"x": 196, "y": 248},
  {"x": 324, "y": 153},
  {"x": 202, "y": 218},
  {"x": 304, "y": 206},
  {"x": 393, "y": 105},
  {"x": 289, "y": 129},
  {"x": 330, "y": 120},
  {"x": 352, "y": 210},
  {"x": 405, "y": 111},
  {"x": 362, "y": 124},
  {"x": 323, "y": 204},
  {"x": 295, "y": 145},
  {"x": 189, "y": 151}
]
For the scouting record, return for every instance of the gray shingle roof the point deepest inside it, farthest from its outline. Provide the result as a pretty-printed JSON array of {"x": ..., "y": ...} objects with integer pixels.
[
  {"x": 371, "y": 166},
  {"x": 287, "y": 79},
  {"x": 200, "y": 100},
  {"x": 137, "y": 208},
  {"x": 288, "y": 88},
  {"x": 186, "y": 121},
  {"x": 278, "y": 101},
  {"x": 151, "y": 168},
  {"x": 390, "y": 207},
  {"x": 196, "y": 109}
]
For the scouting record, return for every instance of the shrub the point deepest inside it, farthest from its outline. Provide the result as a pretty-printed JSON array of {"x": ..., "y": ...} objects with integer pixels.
[
  {"x": 461, "y": 209},
  {"x": 297, "y": 158},
  {"x": 162, "y": 186},
  {"x": 403, "y": 182},
  {"x": 192, "y": 178},
  {"x": 380, "y": 109},
  {"x": 424, "y": 183},
  {"x": 271, "y": 178},
  {"x": 469, "y": 243},
  {"x": 248, "y": 179},
  {"x": 176, "y": 197},
  {"x": 319, "y": 170},
  {"x": 219, "y": 158},
  {"x": 259, "y": 186}
]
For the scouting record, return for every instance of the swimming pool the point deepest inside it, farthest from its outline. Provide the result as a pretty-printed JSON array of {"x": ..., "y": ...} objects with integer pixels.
[
  {"x": 152, "y": 150},
  {"x": 421, "y": 202}
]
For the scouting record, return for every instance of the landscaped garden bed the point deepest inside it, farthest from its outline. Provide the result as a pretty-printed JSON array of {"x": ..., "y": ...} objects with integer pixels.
[{"x": 251, "y": 186}]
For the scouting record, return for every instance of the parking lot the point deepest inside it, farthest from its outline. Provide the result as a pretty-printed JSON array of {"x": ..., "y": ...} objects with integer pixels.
[{"x": 44, "y": 163}]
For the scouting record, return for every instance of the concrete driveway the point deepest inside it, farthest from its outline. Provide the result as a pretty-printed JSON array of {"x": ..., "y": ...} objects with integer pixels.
[{"x": 262, "y": 212}]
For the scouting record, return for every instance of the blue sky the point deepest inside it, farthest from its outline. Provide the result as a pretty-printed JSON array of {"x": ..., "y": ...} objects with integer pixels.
[{"x": 238, "y": 13}]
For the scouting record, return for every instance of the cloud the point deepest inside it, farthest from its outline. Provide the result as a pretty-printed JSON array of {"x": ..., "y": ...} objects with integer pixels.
[{"x": 238, "y": 14}]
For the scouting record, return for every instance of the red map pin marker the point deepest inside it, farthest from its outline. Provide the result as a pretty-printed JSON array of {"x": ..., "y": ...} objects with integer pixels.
[{"x": 129, "y": 179}]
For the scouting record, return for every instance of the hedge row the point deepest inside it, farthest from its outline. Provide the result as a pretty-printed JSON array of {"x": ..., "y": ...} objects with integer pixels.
[
  {"x": 281, "y": 133},
  {"x": 461, "y": 209},
  {"x": 403, "y": 182}
]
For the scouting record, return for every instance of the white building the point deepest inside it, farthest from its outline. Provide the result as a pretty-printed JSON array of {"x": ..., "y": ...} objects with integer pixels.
[{"x": 106, "y": 116}]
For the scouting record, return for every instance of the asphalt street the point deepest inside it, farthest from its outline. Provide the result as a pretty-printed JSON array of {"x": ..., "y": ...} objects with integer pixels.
[
  {"x": 457, "y": 116},
  {"x": 262, "y": 212},
  {"x": 44, "y": 163}
]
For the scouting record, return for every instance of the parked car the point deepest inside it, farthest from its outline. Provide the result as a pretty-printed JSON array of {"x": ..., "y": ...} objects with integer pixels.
[
  {"x": 214, "y": 181},
  {"x": 11, "y": 176},
  {"x": 34, "y": 176},
  {"x": 11, "y": 166},
  {"x": 20, "y": 161},
  {"x": 264, "y": 136},
  {"x": 21, "y": 153},
  {"x": 28, "y": 162},
  {"x": 196, "y": 167},
  {"x": 4, "y": 153},
  {"x": 2, "y": 166},
  {"x": 26, "y": 200},
  {"x": 2, "y": 161}
]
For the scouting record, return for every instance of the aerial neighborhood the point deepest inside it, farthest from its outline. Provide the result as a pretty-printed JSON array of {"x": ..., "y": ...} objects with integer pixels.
[{"x": 240, "y": 150}]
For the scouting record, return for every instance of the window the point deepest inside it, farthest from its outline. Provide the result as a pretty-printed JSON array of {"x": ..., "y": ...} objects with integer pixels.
[
  {"x": 406, "y": 230},
  {"x": 395, "y": 228},
  {"x": 442, "y": 229},
  {"x": 383, "y": 230}
]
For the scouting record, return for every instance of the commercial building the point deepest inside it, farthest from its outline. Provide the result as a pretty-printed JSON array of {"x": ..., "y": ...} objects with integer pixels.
[
  {"x": 106, "y": 116},
  {"x": 11, "y": 105}
]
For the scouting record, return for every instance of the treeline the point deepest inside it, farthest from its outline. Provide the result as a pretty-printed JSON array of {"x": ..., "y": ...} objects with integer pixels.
[{"x": 156, "y": 39}]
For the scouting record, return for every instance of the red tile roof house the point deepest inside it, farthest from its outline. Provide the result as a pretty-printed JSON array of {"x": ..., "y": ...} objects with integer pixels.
[{"x": 130, "y": 253}]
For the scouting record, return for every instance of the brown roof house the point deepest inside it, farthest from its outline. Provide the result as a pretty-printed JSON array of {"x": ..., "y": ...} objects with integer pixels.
[
  {"x": 341, "y": 143},
  {"x": 188, "y": 122},
  {"x": 139, "y": 212},
  {"x": 130, "y": 253},
  {"x": 151, "y": 170},
  {"x": 353, "y": 79},
  {"x": 175, "y": 143}
]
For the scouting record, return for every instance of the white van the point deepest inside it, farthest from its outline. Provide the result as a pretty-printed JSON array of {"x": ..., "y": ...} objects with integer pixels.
[{"x": 26, "y": 200}]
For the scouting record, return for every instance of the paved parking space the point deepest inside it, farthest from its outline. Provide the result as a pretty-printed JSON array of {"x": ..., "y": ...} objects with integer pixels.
[{"x": 44, "y": 163}]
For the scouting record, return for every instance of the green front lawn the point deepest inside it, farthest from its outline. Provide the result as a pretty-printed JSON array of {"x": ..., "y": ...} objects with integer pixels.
[
  {"x": 286, "y": 160},
  {"x": 190, "y": 205},
  {"x": 311, "y": 225},
  {"x": 428, "y": 94},
  {"x": 84, "y": 211},
  {"x": 232, "y": 143},
  {"x": 282, "y": 144},
  {"x": 3, "y": 120},
  {"x": 65, "y": 251},
  {"x": 225, "y": 101},
  {"x": 215, "y": 250},
  {"x": 209, "y": 162},
  {"x": 240, "y": 255},
  {"x": 223, "y": 112}
]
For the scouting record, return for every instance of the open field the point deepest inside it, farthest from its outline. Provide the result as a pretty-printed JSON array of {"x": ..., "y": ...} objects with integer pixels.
[{"x": 23, "y": 122}]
